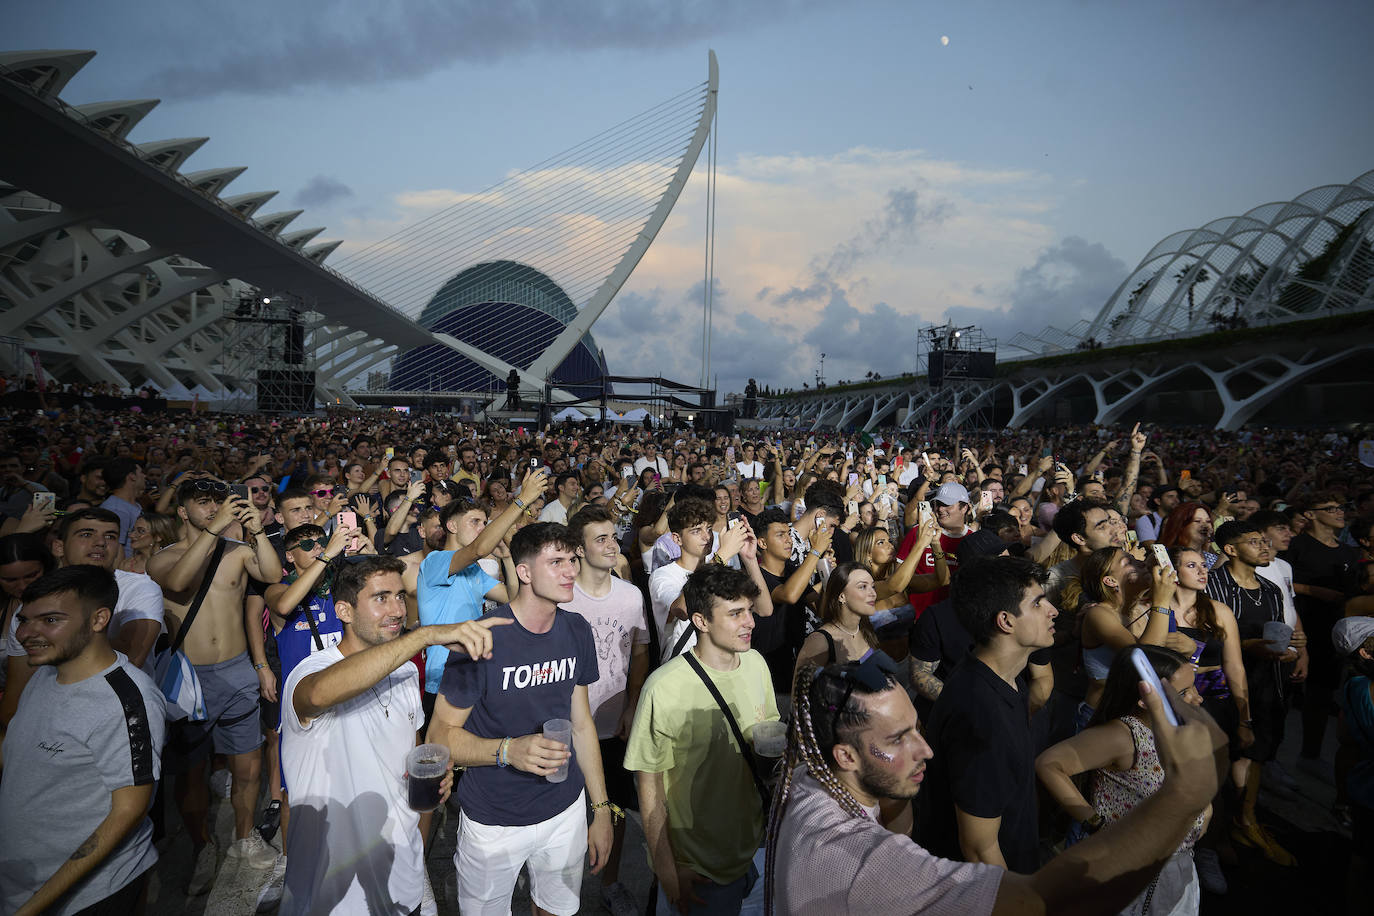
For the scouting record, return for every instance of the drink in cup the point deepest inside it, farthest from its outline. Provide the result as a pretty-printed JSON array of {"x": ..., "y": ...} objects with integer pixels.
[
  {"x": 425, "y": 769},
  {"x": 1278, "y": 635},
  {"x": 770, "y": 738},
  {"x": 559, "y": 730}
]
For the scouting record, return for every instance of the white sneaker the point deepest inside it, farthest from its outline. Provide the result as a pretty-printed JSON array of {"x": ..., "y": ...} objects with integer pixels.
[
  {"x": 253, "y": 851},
  {"x": 204, "y": 870},
  {"x": 428, "y": 905}
]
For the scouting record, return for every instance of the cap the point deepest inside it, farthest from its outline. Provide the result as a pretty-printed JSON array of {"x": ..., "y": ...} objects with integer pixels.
[
  {"x": 1349, "y": 633},
  {"x": 951, "y": 494},
  {"x": 981, "y": 543}
]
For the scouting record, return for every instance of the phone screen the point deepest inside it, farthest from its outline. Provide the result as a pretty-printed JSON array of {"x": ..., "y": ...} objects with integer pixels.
[{"x": 239, "y": 489}]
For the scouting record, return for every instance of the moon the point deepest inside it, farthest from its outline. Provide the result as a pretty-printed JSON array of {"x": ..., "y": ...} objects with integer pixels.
[{"x": 944, "y": 39}]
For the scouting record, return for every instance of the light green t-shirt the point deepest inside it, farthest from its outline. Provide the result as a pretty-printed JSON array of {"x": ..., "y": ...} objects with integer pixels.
[{"x": 715, "y": 818}]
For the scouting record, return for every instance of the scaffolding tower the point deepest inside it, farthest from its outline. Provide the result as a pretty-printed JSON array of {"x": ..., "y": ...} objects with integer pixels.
[{"x": 264, "y": 356}]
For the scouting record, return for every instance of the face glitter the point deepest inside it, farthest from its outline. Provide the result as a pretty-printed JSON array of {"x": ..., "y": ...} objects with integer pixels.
[{"x": 881, "y": 754}]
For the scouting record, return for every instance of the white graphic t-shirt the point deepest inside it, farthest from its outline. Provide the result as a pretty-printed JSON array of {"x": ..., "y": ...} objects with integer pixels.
[{"x": 618, "y": 625}]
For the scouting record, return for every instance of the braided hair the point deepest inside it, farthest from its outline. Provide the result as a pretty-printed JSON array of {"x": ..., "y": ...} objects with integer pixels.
[{"x": 817, "y": 725}]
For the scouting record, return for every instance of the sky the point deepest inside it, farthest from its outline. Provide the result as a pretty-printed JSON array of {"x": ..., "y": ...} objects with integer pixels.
[{"x": 871, "y": 179}]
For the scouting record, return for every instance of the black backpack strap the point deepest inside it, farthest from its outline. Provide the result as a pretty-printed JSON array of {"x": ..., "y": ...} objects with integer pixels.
[
  {"x": 201, "y": 592},
  {"x": 744, "y": 748}
]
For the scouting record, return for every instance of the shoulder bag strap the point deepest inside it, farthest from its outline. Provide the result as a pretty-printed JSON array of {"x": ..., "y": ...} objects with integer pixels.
[
  {"x": 734, "y": 727},
  {"x": 194, "y": 608},
  {"x": 682, "y": 640}
]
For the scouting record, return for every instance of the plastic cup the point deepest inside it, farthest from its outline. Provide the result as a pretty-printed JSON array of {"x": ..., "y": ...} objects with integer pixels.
[
  {"x": 770, "y": 738},
  {"x": 425, "y": 769},
  {"x": 1278, "y": 634},
  {"x": 559, "y": 730}
]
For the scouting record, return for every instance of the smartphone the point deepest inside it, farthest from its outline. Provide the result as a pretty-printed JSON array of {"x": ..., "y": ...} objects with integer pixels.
[
  {"x": 852, "y": 507},
  {"x": 734, "y": 518},
  {"x": 1162, "y": 557},
  {"x": 627, "y": 472},
  {"x": 1046, "y": 452},
  {"x": 882, "y": 480},
  {"x": 390, "y": 453},
  {"x": 349, "y": 519},
  {"x": 926, "y": 513},
  {"x": 985, "y": 501},
  {"x": 1147, "y": 674},
  {"x": 1184, "y": 477},
  {"x": 1132, "y": 538},
  {"x": 534, "y": 462},
  {"x": 853, "y": 478},
  {"x": 1022, "y": 469},
  {"x": 239, "y": 489},
  {"x": 44, "y": 500},
  {"x": 416, "y": 475}
]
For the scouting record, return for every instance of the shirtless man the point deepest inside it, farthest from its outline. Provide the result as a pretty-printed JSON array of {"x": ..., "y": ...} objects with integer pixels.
[
  {"x": 217, "y": 645},
  {"x": 432, "y": 537}
]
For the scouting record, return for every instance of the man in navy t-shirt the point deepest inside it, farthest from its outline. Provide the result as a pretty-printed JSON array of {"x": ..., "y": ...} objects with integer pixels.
[{"x": 491, "y": 714}]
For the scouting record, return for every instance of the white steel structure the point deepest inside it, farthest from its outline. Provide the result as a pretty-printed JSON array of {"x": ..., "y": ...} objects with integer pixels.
[{"x": 134, "y": 288}]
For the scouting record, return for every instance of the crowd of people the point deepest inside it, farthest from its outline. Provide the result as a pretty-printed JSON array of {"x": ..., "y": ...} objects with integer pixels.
[{"x": 899, "y": 671}]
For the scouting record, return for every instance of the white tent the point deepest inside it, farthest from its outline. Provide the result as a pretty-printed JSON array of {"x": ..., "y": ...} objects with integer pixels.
[
  {"x": 634, "y": 416},
  {"x": 569, "y": 413}
]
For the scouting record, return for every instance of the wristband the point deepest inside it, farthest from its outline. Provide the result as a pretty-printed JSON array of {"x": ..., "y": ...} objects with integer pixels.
[
  {"x": 259, "y": 667},
  {"x": 617, "y": 813},
  {"x": 817, "y": 554},
  {"x": 503, "y": 753},
  {"x": 1162, "y": 610},
  {"x": 255, "y": 533},
  {"x": 518, "y": 504}
]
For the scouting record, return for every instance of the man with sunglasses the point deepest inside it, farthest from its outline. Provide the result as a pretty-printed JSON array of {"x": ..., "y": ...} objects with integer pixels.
[
  {"x": 1322, "y": 570},
  {"x": 217, "y": 645}
]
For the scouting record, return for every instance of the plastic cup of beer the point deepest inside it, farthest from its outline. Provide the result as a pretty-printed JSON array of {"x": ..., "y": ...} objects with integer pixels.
[
  {"x": 559, "y": 730},
  {"x": 425, "y": 769},
  {"x": 770, "y": 738}
]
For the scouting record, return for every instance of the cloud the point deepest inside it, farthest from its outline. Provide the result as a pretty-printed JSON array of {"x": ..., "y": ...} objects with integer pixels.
[
  {"x": 849, "y": 254},
  {"x": 321, "y": 191},
  {"x": 1068, "y": 282},
  {"x": 354, "y": 42}
]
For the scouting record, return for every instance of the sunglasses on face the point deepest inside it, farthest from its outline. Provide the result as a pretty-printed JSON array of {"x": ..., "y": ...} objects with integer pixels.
[
  {"x": 308, "y": 544},
  {"x": 329, "y": 491}
]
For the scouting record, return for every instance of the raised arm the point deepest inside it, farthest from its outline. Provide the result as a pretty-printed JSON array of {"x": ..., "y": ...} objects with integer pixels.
[
  {"x": 532, "y": 486},
  {"x": 342, "y": 681}
]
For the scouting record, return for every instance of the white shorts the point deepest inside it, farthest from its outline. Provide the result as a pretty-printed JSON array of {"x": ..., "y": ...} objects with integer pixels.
[{"x": 489, "y": 859}]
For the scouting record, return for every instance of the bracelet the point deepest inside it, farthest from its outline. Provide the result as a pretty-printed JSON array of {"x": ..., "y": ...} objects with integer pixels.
[
  {"x": 817, "y": 554},
  {"x": 503, "y": 753},
  {"x": 1162, "y": 610},
  {"x": 1094, "y": 824},
  {"x": 617, "y": 813},
  {"x": 255, "y": 533},
  {"x": 937, "y": 554},
  {"x": 518, "y": 504},
  {"x": 259, "y": 667}
]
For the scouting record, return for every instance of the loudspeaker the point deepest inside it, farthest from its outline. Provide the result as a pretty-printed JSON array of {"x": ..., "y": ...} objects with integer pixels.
[
  {"x": 286, "y": 391},
  {"x": 293, "y": 349}
]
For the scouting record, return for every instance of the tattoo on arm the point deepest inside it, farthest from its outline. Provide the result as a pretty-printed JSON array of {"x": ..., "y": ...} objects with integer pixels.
[
  {"x": 924, "y": 680},
  {"x": 86, "y": 848}
]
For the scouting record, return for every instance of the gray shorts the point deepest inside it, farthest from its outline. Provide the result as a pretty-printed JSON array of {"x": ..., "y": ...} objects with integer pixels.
[{"x": 231, "y": 695}]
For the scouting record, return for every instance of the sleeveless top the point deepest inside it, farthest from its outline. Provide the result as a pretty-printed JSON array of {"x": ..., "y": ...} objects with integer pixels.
[
  {"x": 1209, "y": 683},
  {"x": 1115, "y": 793}
]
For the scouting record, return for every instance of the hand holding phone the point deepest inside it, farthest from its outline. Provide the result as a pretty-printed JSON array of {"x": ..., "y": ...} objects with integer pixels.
[
  {"x": 1162, "y": 557},
  {"x": 1148, "y": 675},
  {"x": 985, "y": 501},
  {"x": 349, "y": 519}
]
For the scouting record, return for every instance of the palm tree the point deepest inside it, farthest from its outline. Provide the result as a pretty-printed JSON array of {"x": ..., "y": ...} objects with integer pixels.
[{"x": 1202, "y": 277}]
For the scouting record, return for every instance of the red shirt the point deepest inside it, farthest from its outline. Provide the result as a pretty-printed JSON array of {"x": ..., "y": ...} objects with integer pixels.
[{"x": 926, "y": 564}]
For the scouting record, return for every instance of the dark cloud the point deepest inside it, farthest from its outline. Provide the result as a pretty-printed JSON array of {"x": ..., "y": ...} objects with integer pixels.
[
  {"x": 322, "y": 190},
  {"x": 1069, "y": 281},
  {"x": 894, "y": 226},
  {"x": 855, "y": 341},
  {"x": 353, "y": 43}
]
